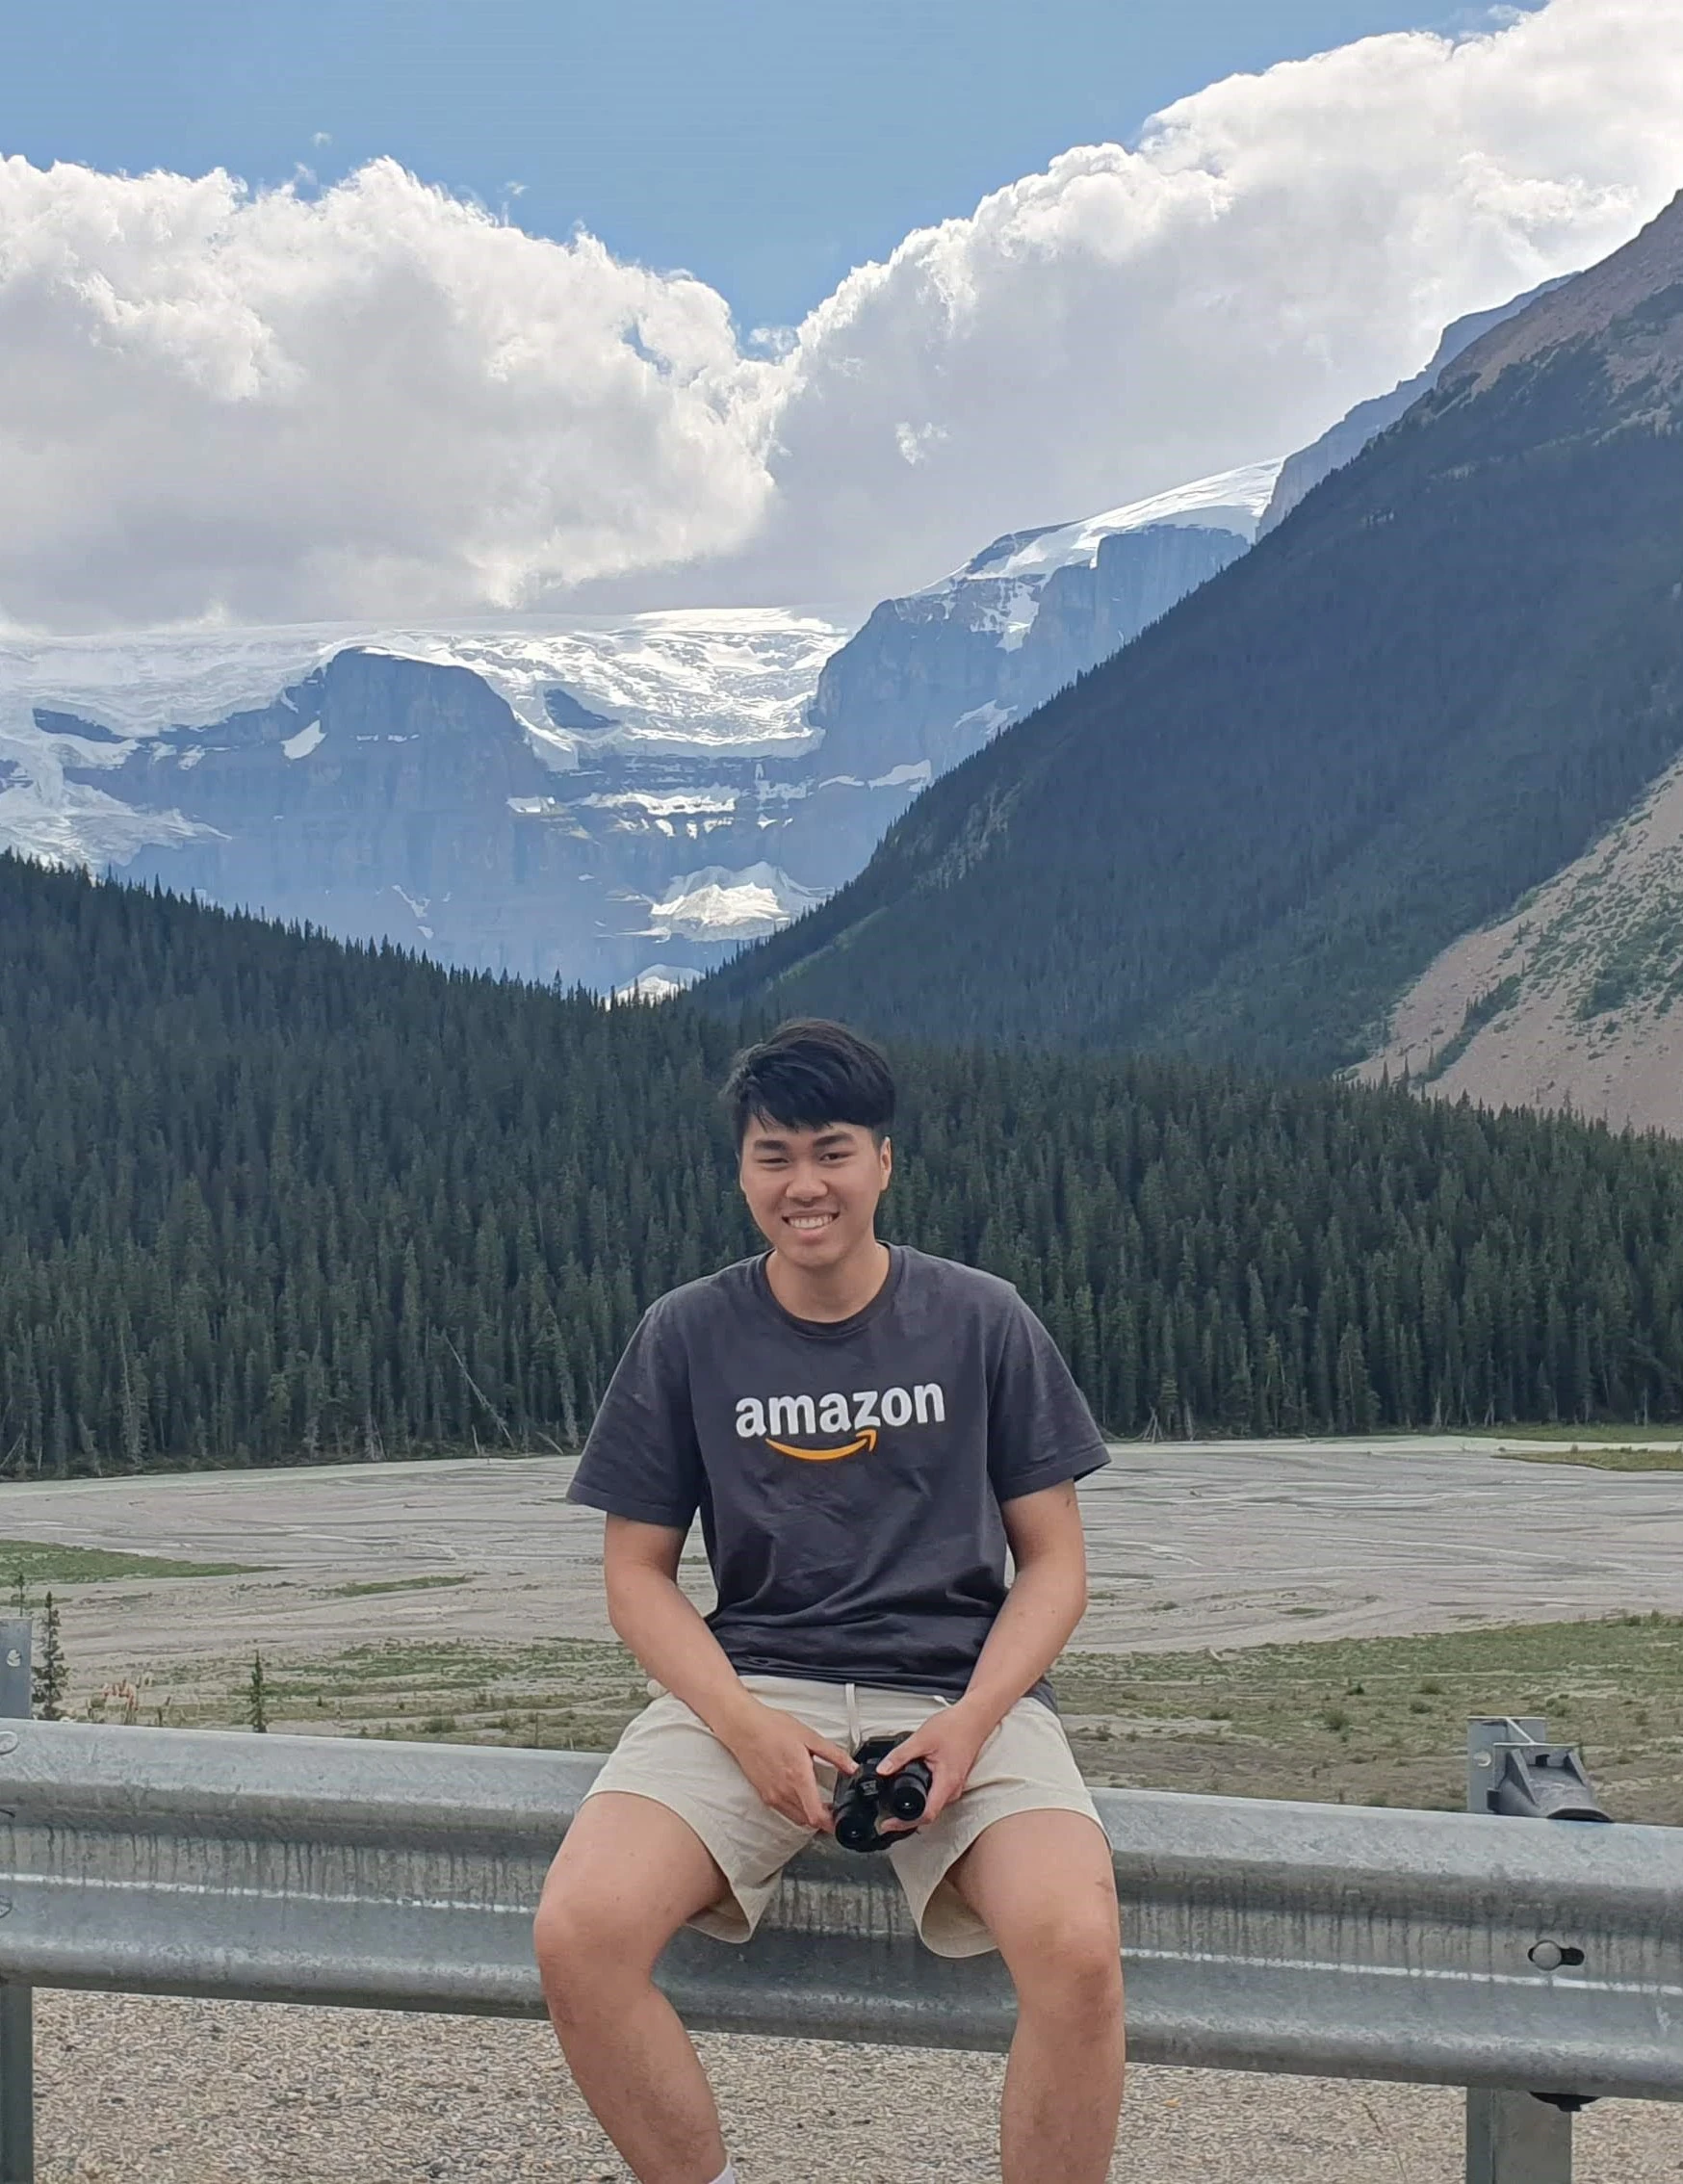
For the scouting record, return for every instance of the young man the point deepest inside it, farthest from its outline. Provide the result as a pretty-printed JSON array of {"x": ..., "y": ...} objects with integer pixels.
[{"x": 864, "y": 1430}]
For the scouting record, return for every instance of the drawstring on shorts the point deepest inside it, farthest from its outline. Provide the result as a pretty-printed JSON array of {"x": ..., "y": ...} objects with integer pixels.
[{"x": 856, "y": 1720}]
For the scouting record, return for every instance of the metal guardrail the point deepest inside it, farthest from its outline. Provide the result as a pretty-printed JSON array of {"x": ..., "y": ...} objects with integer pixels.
[{"x": 1259, "y": 1935}]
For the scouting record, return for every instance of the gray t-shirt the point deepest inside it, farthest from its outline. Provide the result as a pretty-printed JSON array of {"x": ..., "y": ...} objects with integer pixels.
[{"x": 848, "y": 1474}]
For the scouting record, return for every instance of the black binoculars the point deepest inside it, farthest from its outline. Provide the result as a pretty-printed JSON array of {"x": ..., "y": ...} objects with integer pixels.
[{"x": 864, "y": 1799}]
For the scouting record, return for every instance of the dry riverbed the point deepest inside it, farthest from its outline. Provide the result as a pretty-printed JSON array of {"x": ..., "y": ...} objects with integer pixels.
[{"x": 1273, "y": 1618}]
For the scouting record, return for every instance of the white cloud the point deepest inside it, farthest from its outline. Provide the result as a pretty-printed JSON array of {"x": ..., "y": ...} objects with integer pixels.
[
  {"x": 1276, "y": 249},
  {"x": 382, "y": 402},
  {"x": 376, "y": 401}
]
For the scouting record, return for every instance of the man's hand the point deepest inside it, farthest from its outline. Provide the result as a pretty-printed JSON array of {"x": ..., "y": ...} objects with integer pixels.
[
  {"x": 776, "y": 1753},
  {"x": 948, "y": 1741}
]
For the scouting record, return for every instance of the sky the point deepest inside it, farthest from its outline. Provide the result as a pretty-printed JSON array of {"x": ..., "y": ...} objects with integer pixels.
[
  {"x": 766, "y": 145},
  {"x": 409, "y": 311}
]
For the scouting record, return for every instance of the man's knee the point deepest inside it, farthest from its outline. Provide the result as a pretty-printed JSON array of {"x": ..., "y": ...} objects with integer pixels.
[
  {"x": 1067, "y": 1964},
  {"x": 586, "y": 1944},
  {"x": 625, "y": 1879}
]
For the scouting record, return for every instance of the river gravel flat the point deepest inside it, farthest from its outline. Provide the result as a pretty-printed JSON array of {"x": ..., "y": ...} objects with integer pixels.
[
  {"x": 1194, "y": 1543},
  {"x": 138, "y": 2090}
]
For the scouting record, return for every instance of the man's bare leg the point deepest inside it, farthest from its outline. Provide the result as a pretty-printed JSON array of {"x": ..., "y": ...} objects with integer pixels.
[
  {"x": 1043, "y": 1884},
  {"x": 625, "y": 1879}
]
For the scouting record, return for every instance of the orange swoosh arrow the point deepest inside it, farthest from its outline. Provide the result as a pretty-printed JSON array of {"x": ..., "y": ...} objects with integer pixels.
[{"x": 866, "y": 1442}]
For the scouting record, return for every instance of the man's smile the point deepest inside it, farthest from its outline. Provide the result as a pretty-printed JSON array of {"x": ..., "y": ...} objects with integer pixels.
[{"x": 808, "y": 1222}]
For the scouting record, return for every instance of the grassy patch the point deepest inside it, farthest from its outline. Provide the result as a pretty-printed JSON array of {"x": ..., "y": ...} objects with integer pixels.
[
  {"x": 1369, "y": 1720},
  {"x": 1627, "y": 1435},
  {"x": 1603, "y": 1448},
  {"x": 361, "y": 1591},
  {"x": 40, "y": 1564},
  {"x": 1383, "y": 1721},
  {"x": 1601, "y": 1458}
]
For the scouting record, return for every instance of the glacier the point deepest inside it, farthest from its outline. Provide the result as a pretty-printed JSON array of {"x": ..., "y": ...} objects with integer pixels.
[
  {"x": 520, "y": 797},
  {"x": 532, "y": 796}
]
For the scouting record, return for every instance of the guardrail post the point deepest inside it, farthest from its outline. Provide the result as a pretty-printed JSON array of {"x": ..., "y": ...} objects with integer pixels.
[
  {"x": 16, "y": 1999},
  {"x": 1511, "y": 2137},
  {"x": 1514, "y": 2138}
]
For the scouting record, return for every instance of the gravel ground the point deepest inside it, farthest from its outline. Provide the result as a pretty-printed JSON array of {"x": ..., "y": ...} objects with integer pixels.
[{"x": 137, "y": 2090}]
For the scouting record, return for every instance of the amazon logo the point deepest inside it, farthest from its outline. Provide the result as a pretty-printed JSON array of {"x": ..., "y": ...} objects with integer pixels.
[{"x": 782, "y": 1421}]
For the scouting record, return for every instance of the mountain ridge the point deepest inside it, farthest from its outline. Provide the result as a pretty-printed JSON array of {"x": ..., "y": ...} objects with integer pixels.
[
  {"x": 948, "y": 666},
  {"x": 1344, "y": 441},
  {"x": 1585, "y": 306}
]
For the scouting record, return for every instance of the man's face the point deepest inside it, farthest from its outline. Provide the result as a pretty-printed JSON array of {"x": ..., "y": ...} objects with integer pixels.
[{"x": 813, "y": 1192}]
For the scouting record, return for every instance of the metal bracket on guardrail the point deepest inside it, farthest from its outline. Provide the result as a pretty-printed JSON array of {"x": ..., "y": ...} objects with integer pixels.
[
  {"x": 16, "y": 1999},
  {"x": 1513, "y": 1770}
]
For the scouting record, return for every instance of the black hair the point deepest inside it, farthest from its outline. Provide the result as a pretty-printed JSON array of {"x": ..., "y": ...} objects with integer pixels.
[{"x": 809, "y": 1073}]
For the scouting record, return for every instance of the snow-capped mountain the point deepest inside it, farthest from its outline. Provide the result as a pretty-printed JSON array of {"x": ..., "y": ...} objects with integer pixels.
[
  {"x": 615, "y": 803},
  {"x": 945, "y": 668},
  {"x": 563, "y": 800}
]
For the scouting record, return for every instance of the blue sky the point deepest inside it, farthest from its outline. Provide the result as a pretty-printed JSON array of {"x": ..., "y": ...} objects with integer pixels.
[{"x": 765, "y": 144}]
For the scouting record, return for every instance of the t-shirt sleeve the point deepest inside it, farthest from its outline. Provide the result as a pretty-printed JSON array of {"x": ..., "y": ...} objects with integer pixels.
[
  {"x": 1040, "y": 1430},
  {"x": 641, "y": 1457}
]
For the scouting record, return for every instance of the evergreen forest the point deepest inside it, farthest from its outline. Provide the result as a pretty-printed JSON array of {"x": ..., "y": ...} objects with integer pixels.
[{"x": 264, "y": 1198}]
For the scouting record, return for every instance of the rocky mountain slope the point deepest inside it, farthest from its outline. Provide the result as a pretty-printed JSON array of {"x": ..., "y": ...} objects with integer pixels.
[
  {"x": 1431, "y": 689},
  {"x": 1572, "y": 1000}
]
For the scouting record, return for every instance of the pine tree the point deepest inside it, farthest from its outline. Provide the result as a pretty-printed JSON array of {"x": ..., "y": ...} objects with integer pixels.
[
  {"x": 52, "y": 1674},
  {"x": 257, "y": 1695}
]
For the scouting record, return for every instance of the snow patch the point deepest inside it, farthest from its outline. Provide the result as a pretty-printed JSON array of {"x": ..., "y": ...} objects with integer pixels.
[
  {"x": 1229, "y": 500},
  {"x": 67, "y": 823},
  {"x": 985, "y": 719},
  {"x": 720, "y": 905},
  {"x": 734, "y": 680},
  {"x": 1014, "y": 617},
  {"x": 657, "y": 982},
  {"x": 417, "y": 910},
  {"x": 906, "y": 776},
  {"x": 299, "y": 745},
  {"x": 142, "y": 684},
  {"x": 680, "y": 803}
]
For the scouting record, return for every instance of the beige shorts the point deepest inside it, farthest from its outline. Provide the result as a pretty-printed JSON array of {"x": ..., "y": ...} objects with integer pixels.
[{"x": 669, "y": 1754}]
